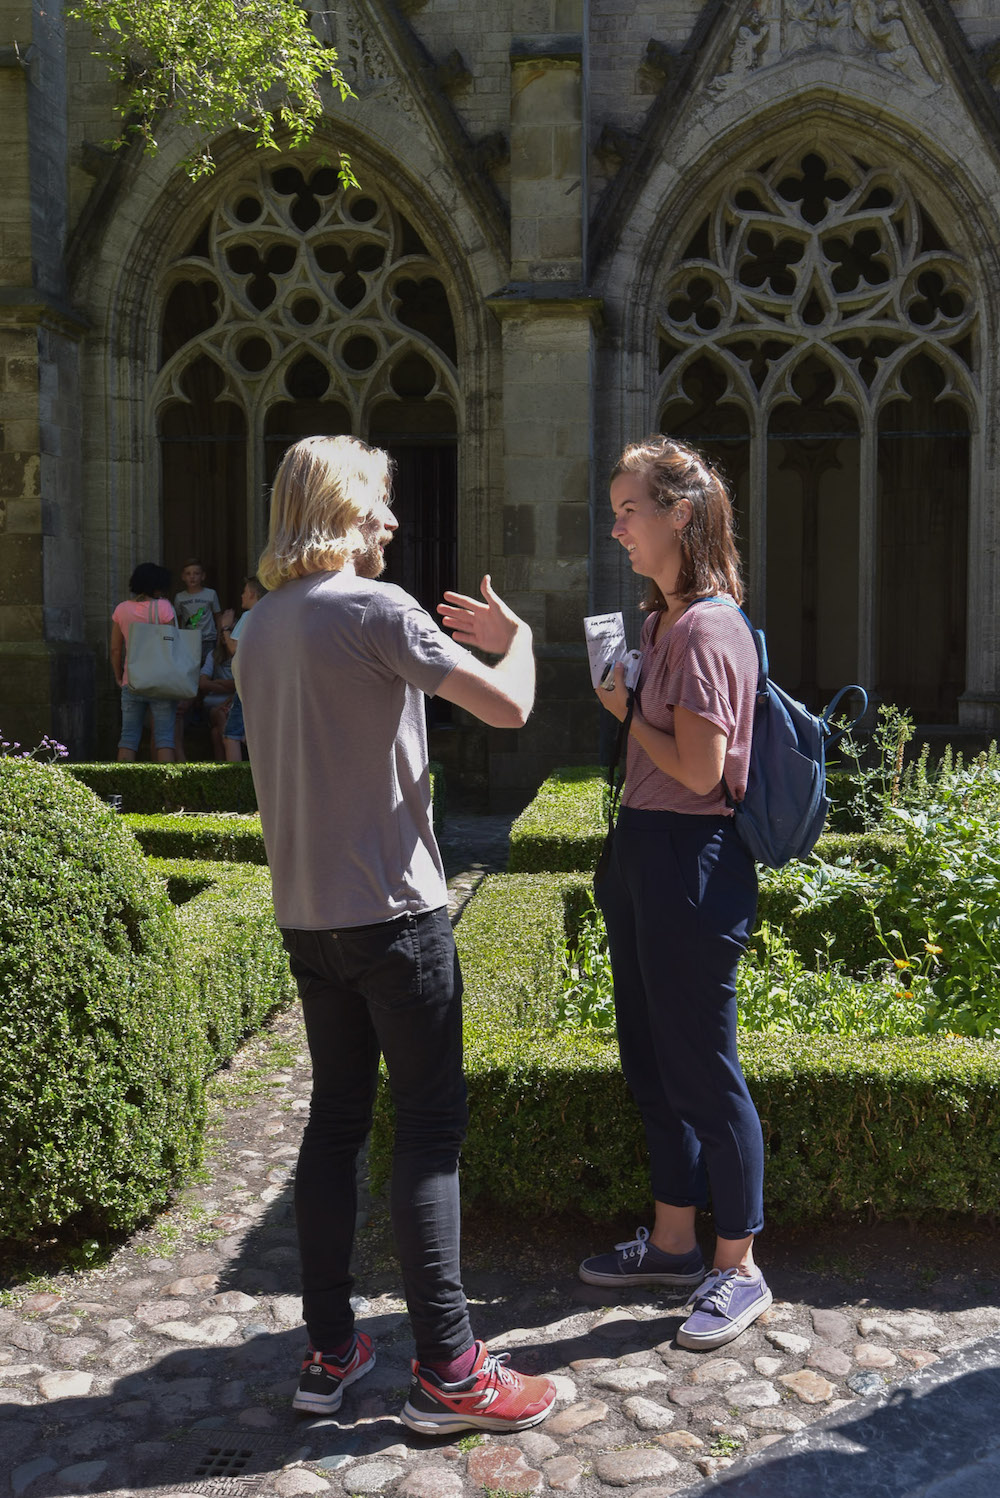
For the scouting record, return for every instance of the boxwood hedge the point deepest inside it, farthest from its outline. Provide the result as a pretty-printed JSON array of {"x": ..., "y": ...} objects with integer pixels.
[
  {"x": 195, "y": 786},
  {"x": 564, "y": 826},
  {"x": 102, "y": 1058},
  {"x": 114, "y": 1006},
  {"x": 891, "y": 1128},
  {"x": 219, "y": 839}
]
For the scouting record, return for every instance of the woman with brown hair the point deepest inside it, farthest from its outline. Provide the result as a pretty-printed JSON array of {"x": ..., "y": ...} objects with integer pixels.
[{"x": 679, "y": 893}]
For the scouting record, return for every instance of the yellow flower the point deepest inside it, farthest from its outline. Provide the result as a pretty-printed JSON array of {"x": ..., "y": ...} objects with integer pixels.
[
  {"x": 908, "y": 994},
  {"x": 934, "y": 951},
  {"x": 902, "y": 962}
]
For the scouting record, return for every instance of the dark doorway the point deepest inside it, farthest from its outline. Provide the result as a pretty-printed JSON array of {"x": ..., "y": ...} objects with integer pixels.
[
  {"x": 204, "y": 481},
  {"x": 812, "y": 538},
  {"x": 923, "y": 512}
]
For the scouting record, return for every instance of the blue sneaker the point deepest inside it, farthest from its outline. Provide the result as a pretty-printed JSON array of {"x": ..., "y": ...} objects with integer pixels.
[
  {"x": 639, "y": 1263},
  {"x": 727, "y": 1303}
]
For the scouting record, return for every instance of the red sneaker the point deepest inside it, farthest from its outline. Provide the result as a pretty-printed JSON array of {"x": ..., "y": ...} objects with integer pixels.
[
  {"x": 324, "y": 1379},
  {"x": 493, "y": 1397}
]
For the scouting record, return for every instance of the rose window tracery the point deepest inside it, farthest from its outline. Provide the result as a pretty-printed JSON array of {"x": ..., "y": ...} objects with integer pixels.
[
  {"x": 817, "y": 251},
  {"x": 298, "y": 290}
]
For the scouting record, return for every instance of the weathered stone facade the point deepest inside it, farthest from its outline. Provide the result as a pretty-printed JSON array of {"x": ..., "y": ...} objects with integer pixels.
[{"x": 770, "y": 226}]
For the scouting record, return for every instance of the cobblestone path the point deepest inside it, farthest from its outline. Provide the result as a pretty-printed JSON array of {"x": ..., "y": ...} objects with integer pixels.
[{"x": 171, "y": 1368}]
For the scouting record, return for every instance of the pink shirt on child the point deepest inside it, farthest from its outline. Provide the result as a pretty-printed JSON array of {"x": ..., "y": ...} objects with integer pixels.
[
  {"x": 706, "y": 663},
  {"x": 134, "y": 612}
]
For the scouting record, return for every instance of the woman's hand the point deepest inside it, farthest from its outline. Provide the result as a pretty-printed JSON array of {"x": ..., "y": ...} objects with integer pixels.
[
  {"x": 489, "y": 626},
  {"x": 614, "y": 693}
]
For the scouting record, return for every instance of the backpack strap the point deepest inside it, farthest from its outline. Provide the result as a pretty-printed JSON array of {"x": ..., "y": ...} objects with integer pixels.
[
  {"x": 834, "y": 735},
  {"x": 616, "y": 783}
]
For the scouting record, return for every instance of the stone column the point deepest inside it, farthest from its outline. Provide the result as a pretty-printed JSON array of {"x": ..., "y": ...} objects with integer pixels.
[
  {"x": 549, "y": 322},
  {"x": 46, "y": 672}
]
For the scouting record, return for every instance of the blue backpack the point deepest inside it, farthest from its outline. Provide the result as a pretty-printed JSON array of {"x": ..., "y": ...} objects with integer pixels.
[{"x": 785, "y": 806}]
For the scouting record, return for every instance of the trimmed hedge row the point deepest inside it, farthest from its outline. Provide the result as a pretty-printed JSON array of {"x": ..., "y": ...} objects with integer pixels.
[
  {"x": 895, "y": 1128},
  {"x": 114, "y": 1006},
  {"x": 234, "y": 961},
  {"x": 562, "y": 829},
  {"x": 216, "y": 839},
  {"x": 196, "y": 786}
]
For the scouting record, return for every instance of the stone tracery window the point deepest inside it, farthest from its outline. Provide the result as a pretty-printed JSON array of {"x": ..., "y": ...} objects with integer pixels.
[
  {"x": 299, "y": 308},
  {"x": 817, "y": 325}
]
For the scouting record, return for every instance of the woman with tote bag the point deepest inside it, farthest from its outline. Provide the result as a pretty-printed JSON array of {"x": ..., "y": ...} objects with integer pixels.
[{"x": 148, "y": 585}]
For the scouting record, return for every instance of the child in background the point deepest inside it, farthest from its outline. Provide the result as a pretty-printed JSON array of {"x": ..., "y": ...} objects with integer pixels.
[
  {"x": 196, "y": 604},
  {"x": 216, "y": 687},
  {"x": 196, "y": 607}
]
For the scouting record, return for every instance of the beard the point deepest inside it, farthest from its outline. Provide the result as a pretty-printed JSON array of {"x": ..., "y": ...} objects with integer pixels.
[{"x": 371, "y": 562}]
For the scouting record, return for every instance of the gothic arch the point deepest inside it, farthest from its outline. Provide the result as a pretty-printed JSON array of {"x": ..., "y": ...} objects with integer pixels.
[
  {"x": 318, "y": 310},
  {"x": 813, "y": 280},
  {"x": 165, "y": 264}
]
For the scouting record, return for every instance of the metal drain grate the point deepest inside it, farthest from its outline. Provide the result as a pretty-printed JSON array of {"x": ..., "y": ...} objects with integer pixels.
[{"x": 223, "y": 1464}]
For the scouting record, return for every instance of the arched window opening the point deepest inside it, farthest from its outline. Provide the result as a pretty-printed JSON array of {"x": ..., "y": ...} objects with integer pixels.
[
  {"x": 813, "y": 486},
  {"x": 322, "y": 311},
  {"x": 819, "y": 337},
  {"x": 923, "y": 489},
  {"x": 700, "y": 414},
  {"x": 203, "y": 441}
]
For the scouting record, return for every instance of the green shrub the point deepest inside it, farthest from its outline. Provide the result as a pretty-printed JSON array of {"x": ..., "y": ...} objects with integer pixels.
[
  {"x": 102, "y": 1058},
  {"x": 563, "y": 828},
  {"x": 195, "y": 787},
  {"x": 894, "y": 1128},
  {"x": 222, "y": 839},
  {"x": 234, "y": 961}
]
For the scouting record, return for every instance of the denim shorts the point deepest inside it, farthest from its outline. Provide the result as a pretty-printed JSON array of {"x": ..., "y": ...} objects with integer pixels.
[
  {"x": 134, "y": 715},
  {"x": 234, "y": 728}
]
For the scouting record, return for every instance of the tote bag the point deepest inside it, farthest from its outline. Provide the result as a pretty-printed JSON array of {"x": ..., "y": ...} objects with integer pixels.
[{"x": 163, "y": 660}]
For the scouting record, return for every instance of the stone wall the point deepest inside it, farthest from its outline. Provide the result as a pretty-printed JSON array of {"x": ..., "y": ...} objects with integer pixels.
[{"x": 555, "y": 156}]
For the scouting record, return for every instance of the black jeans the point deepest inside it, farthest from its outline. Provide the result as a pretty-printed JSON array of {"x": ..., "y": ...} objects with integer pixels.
[{"x": 393, "y": 989}]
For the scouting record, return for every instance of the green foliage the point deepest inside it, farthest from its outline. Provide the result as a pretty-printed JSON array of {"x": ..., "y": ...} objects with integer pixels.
[
  {"x": 195, "y": 787},
  {"x": 234, "y": 963},
  {"x": 252, "y": 65},
  {"x": 222, "y": 839},
  {"x": 192, "y": 787},
  {"x": 892, "y": 1127},
  {"x": 101, "y": 1053},
  {"x": 867, "y": 783},
  {"x": 114, "y": 1006},
  {"x": 563, "y": 827}
]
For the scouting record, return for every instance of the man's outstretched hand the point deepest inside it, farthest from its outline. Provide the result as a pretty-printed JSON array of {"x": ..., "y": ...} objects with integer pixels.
[{"x": 489, "y": 626}]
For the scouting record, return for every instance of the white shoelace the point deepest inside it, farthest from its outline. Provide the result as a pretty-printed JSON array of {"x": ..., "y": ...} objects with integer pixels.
[
  {"x": 635, "y": 1248},
  {"x": 718, "y": 1296},
  {"x": 493, "y": 1366}
]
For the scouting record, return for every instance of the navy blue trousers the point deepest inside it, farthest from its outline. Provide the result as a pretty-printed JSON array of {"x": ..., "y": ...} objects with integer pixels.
[
  {"x": 395, "y": 990},
  {"x": 679, "y": 897}
]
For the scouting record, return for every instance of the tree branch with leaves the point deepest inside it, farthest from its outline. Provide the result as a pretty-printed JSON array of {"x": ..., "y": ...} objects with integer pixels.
[{"x": 215, "y": 65}]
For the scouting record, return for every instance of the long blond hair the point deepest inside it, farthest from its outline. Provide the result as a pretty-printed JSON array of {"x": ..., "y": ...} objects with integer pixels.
[
  {"x": 324, "y": 491},
  {"x": 710, "y": 562}
]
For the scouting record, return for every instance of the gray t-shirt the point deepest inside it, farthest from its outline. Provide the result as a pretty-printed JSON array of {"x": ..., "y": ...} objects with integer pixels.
[{"x": 338, "y": 747}]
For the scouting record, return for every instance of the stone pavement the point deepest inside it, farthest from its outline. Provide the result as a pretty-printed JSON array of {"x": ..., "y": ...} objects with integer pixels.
[{"x": 170, "y": 1369}]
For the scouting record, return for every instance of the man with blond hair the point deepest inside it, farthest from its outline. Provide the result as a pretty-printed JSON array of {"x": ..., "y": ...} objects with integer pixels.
[{"x": 332, "y": 670}]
